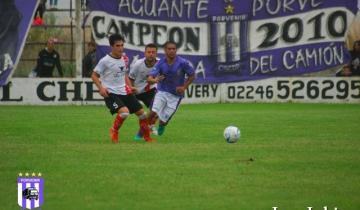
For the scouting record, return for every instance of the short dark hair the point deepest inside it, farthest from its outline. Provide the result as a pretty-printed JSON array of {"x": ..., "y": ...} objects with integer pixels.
[
  {"x": 115, "y": 37},
  {"x": 151, "y": 45},
  {"x": 169, "y": 42}
]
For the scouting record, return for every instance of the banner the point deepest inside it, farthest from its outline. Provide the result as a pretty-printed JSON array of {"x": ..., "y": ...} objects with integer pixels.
[
  {"x": 15, "y": 19},
  {"x": 65, "y": 91},
  {"x": 229, "y": 41}
]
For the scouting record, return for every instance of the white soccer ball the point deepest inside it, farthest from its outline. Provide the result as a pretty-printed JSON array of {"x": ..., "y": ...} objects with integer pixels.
[{"x": 231, "y": 134}]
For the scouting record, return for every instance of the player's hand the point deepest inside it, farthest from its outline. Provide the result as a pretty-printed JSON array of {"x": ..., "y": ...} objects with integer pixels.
[
  {"x": 180, "y": 90},
  {"x": 159, "y": 78},
  {"x": 104, "y": 92},
  {"x": 134, "y": 89}
]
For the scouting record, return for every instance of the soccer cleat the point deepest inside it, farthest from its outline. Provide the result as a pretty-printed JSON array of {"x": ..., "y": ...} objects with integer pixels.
[
  {"x": 146, "y": 135},
  {"x": 161, "y": 130},
  {"x": 138, "y": 138},
  {"x": 145, "y": 130},
  {"x": 139, "y": 135},
  {"x": 149, "y": 139},
  {"x": 114, "y": 135}
]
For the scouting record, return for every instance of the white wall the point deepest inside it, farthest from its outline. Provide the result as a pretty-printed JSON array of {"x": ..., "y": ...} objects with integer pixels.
[{"x": 37, "y": 91}]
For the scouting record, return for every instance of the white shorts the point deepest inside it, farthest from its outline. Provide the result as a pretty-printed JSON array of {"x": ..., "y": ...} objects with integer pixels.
[{"x": 165, "y": 105}]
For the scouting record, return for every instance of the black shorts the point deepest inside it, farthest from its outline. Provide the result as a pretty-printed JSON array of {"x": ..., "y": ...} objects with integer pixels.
[
  {"x": 115, "y": 102},
  {"x": 147, "y": 97}
]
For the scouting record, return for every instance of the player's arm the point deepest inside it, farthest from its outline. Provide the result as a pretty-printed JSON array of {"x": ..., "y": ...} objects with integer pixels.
[
  {"x": 130, "y": 83},
  {"x": 96, "y": 79},
  {"x": 155, "y": 79},
  {"x": 127, "y": 79},
  {"x": 155, "y": 75},
  {"x": 38, "y": 63},
  {"x": 131, "y": 77},
  {"x": 190, "y": 72},
  {"x": 189, "y": 80}
]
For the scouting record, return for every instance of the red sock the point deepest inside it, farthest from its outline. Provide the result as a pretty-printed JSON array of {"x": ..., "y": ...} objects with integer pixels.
[
  {"x": 117, "y": 122},
  {"x": 152, "y": 120},
  {"x": 144, "y": 128}
]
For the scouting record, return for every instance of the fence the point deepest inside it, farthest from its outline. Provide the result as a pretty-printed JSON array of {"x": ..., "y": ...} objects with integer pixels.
[{"x": 59, "y": 24}]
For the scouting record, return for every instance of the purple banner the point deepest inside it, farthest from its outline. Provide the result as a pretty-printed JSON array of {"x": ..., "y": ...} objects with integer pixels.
[
  {"x": 229, "y": 41},
  {"x": 15, "y": 19}
]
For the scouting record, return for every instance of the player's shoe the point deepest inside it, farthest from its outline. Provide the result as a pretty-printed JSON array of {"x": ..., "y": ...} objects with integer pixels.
[
  {"x": 137, "y": 137},
  {"x": 161, "y": 130},
  {"x": 149, "y": 139},
  {"x": 114, "y": 135}
]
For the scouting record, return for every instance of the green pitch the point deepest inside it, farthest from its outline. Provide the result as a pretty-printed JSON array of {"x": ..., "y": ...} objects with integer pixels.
[{"x": 291, "y": 156}]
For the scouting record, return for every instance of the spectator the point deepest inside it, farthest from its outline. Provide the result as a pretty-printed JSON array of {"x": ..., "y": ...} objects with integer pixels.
[
  {"x": 84, "y": 4},
  {"x": 39, "y": 13},
  {"x": 89, "y": 62},
  {"x": 47, "y": 60},
  {"x": 38, "y": 21},
  {"x": 53, "y": 4},
  {"x": 352, "y": 68}
]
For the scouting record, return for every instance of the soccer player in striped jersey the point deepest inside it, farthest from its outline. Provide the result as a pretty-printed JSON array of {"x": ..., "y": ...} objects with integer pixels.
[
  {"x": 110, "y": 77},
  {"x": 171, "y": 85},
  {"x": 144, "y": 91}
]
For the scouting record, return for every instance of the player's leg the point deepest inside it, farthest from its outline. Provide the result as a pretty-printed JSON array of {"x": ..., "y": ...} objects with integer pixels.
[
  {"x": 147, "y": 98},
  {"x": 116, "y": 106},
  {"x": 161, "y": 128},
  {"x": 172, "y": 103},
  {"x": 152, "y": 126},
  {"x": 152, "y": 118},
  {"x": 139, "y": 135},
  {"x": 158, "y": 104},
  {"x": 135, "y": 107},
  {"x": 122, "y": 114},
  {"x": 143, "y": 124}
]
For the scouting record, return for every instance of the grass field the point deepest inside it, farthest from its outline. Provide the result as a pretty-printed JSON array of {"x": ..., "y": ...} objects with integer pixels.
[{"x": 304, "y": 155}]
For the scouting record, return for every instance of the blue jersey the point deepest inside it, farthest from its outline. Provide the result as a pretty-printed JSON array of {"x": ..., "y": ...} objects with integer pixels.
[{"x": 174, "y": 74}]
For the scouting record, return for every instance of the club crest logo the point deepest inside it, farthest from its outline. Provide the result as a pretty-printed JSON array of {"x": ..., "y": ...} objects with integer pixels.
[
  {"x": 30, "y": 190},
  {"x": 230, "y": 40}
]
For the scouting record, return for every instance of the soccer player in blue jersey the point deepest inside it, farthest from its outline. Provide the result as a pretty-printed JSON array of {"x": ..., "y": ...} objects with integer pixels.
[{"x": 170, "y": 74}]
